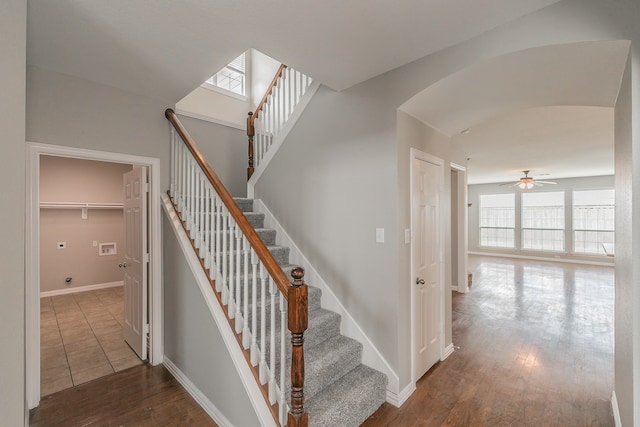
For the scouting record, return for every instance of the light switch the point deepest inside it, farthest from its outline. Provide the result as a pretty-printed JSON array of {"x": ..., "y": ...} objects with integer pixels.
[{"x": 379, "y": 235}]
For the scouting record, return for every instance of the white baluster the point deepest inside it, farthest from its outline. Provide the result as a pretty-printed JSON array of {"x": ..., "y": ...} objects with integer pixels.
[
  {"x": 197, "y": 207},
  {"x": 217, "y": 234},
  {"x": 246, "y": 338},
  {"x": 232, "y": 272},
  {"x": 283, "y": 361},
  {"x": 272, "y": 345},
  {"x": 172, "y": 159},
  {"x": 254, "y": 307},
  {"x": 207, "y": 227},
  {"x": 238, "y": 277},
  {"x": 263, "y": 325},
  {"x": 225, "y": 255},
  {"x": 182, "y": 181}
]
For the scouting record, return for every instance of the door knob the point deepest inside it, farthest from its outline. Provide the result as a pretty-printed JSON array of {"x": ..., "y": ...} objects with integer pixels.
[
  {"x": 122, "y": 265},
  {"x": 419, "y": 281}
]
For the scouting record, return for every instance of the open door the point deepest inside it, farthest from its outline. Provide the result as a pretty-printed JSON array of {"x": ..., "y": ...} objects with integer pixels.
[{"x": 136, "y": 260}]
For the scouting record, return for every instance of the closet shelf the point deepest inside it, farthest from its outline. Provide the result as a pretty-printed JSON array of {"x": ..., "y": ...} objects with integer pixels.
[{"x": 72, "y": 205}]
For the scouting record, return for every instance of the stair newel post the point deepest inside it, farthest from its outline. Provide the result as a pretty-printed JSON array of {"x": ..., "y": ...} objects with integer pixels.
[
  {"x": 251, "y": 132},
  {"x": 298, "y": 308}
]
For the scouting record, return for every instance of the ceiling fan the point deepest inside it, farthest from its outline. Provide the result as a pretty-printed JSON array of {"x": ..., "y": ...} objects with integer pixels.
[{"x": 527, "y": 182}]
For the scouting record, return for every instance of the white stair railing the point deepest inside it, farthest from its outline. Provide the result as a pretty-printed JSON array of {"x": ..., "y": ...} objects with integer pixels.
[
  {"x": 243, "y": 273},
  {"x": 283, "y": 95}
]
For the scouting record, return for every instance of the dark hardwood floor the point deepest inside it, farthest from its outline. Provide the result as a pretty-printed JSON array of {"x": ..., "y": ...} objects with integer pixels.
[
  {"x": 140, "y": 396},
  {"x": 534, "y": 347}
]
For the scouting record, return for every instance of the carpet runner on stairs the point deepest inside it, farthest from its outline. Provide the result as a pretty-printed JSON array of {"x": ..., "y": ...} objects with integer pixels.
[{"x": 339, "y": 389}]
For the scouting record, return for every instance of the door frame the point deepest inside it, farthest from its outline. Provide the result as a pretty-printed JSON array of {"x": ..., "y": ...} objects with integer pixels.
[
  {"x": 462, "y": 225},
  {"x": 416, "y": 154},
  {"x": 32, "y": 253}
]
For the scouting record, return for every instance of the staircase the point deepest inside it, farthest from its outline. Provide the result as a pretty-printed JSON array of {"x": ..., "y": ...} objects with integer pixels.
[{"x": 339, "y": 390}]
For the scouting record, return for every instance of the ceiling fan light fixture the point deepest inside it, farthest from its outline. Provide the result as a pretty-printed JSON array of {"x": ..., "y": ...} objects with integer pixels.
[{"x": 526, "y": 184}]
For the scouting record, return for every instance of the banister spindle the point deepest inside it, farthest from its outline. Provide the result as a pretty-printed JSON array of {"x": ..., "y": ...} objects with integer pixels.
[
  {"x": 251, "y": 132},
  {"x": 298, "y": 308}
]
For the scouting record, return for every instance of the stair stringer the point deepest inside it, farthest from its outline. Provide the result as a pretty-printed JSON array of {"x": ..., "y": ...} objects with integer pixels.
[
  {"x": 280, "y": 137},
  {"x": 228, "y": 335},
  {"x": 371, "y": 356}
]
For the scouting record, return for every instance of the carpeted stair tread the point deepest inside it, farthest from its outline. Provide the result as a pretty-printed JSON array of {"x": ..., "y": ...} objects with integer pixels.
[
  {"x": 350, "y": 400},
  {"x": 245, "y": 205},
  {"x": 256, "y": 219},
  {"x": 327, "y": 362}
]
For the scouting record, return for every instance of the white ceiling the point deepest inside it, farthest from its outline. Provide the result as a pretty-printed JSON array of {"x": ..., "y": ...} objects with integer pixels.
[
  {"x": 165, "y": 48},
  {"x": 526, "y": 111}
]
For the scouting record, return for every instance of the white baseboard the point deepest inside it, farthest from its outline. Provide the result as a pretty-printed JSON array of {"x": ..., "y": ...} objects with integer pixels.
[
  {"x": 616, "y": 410},
  {"x": 197, "y": 395},
  {"x": 80, "y": 289},
  {"x": 448, "y": 351},
  {"x": 398, "y": 399},
  {"x": 348, "y": 327},
  {"x": 608, "y": 263}
]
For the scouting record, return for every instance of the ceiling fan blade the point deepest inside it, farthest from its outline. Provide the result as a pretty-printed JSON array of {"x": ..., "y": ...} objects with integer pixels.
[
  {"x": 510, "y": 184},
  {"x": 546, "y": 182}
]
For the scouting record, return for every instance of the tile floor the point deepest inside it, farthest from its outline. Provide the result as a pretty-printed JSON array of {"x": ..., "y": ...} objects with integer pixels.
[{"x": 81, "y": 338}]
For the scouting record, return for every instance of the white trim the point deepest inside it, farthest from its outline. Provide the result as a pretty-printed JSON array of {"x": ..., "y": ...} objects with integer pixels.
[
  {"x": 448, "y": 351},
  {"x": 32, "y": 255},
  {"x": 348, "y": 327},
  {"x": 398, "y": 399},
  {"x": 228, "y": 336},
  {"x": 210, "y": 119},
  {"x": 66, "y": 291},
  {"x": 535, "y": 258},
  {"x": 616, "y": 410},
  {"x": 462, "y": 227},
  {"x": 226, "y": 92},
  {"x": 197, "y": 395},
  {"x": 281, "y": 136},
  {"x": 421, "y": 155}
]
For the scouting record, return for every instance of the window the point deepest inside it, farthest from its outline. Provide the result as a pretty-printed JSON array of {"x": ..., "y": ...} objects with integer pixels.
[
  {"x": 231, "y": 77},
  {"x": 543, "y": 221},
  {"x": 497, "y": 220},
  {"x": 593, "y": 220}
]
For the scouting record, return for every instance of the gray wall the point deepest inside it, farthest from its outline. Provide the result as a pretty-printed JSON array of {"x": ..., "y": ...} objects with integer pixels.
[
  {"x": 567, "y": 185},
  {"x": 627, "y": 298},
  {"x": 192, "y": 340},
  {"x": 80, "y": 181},
  {"x": 225, "y": 149},
  {"x": 65, "y": 110},
  {"x": 338, "y": 175},
  {"x": 13, "y": 39}
]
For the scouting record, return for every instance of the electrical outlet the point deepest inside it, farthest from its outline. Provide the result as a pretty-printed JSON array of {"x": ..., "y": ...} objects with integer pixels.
[
  {"x": 95, "y": 243},
  {"x": 61, "y": 245},
  {"x": 379, "y": 235}
]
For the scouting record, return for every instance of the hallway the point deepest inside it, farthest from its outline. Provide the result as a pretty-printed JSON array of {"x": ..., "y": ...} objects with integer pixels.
[{"x": 534, "y": 346}]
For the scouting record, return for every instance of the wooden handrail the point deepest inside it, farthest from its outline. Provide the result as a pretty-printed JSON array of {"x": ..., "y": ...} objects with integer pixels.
[
  {"x": 251, "y": 130},
  {"x": 269, "y": 262},
  {"x": 268, "y": 92}
]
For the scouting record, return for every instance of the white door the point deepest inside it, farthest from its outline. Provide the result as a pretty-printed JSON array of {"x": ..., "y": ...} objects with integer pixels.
[
  {"x": 426, "y": 265},
  {"x": 135, "y": 260}
]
